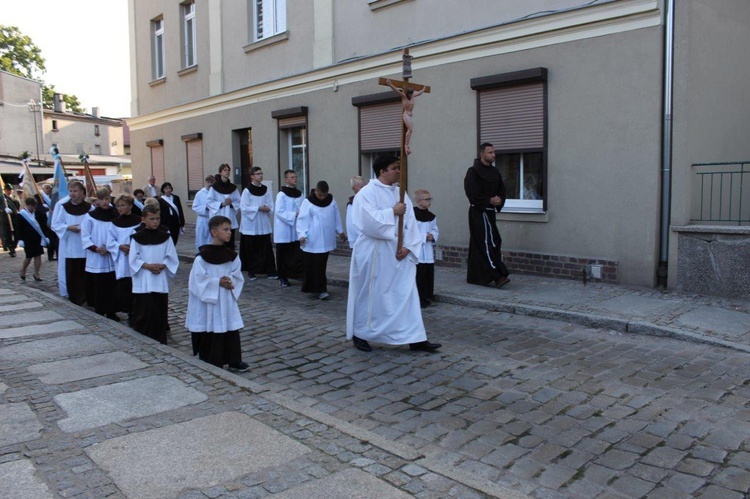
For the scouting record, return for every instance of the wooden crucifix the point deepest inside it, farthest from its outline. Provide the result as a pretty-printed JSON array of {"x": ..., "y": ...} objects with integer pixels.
[{"x": 408, "y": 92}]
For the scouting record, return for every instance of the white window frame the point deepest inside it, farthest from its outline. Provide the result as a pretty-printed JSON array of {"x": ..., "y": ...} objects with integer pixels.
[
  {"x": 522, "y": 205},
  {"x": 263, "y": 10},
  {"x": 189, "y": 30},
  {"x": 302, "y": 148},
  {"x": 159, "y": 70}
]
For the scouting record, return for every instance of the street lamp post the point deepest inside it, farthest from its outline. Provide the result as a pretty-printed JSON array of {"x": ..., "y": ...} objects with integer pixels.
[{"x": 32, "y": 109}]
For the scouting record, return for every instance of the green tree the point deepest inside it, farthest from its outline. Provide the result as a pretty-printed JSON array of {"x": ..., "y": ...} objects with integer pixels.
[{"x": 19, "y": 56}]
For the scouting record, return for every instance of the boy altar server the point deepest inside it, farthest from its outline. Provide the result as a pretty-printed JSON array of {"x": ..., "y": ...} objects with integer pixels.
[
  {"x": 100, "y": 269},
  {"x": 213, "y": 316},
  {"x": 317, "y": 225},
  {"x": 118, "y": 244},
  {"x": 153, "y": 260},
  {"x": 428, "y": 228},
  {"x": 288, "y": 253},
  {"x": 256, "y": 205},
  {"x": 71, "y": 256}
]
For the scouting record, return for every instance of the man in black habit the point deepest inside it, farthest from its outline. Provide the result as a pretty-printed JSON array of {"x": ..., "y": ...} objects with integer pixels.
[{"x": 486, "y": 192}]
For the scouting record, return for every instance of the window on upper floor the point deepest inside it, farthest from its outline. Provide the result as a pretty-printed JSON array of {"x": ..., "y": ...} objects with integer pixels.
[
  {"x": 269, "y": 18},
  {"x": 157, "y": 62},
  {"x": 512, "y": 110},
  {"x": 96, "y": 130},
  {"x": 189, "y": 36}
]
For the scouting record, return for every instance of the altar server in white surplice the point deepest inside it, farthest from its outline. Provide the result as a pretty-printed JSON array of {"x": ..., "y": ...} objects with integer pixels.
[
  {"x": 224, "y": 199},
  {"x": 317, "y": 225},
  {"x": 213, "y": 315},
  {"x": 256, "y": 250},
  {"x": 71, "y": 257},
  {"x": 153, "y": 261},
  {"x": 118, "y": 244},
  {"x": 288, "y": 252},
  {"x": 383, "y": 303},
  {"x": 200, "y": 207},
  {"x": 100, "y": 268}
]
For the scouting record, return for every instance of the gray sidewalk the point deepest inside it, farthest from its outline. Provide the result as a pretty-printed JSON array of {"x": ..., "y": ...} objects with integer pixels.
[{"x": 626, "y": 309}]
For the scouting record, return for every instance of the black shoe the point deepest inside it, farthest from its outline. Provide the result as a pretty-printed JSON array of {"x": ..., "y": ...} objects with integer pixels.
[
  {"x": 113, "y": 317},
  {"x": 424, "y": 303},
  {"x": 273, "y": 276},
  {"x": 12, "y": 254},
  {"x": 239, "y": 368},
  {"x": 283, "y": 282},
  {"x": 499, "y": 283},
  {"x": 23, "y": 277},
  {"x": 424, "y": 346},
  {"x": 361, "y": 344},
  {"x": 252, "y": 277}
]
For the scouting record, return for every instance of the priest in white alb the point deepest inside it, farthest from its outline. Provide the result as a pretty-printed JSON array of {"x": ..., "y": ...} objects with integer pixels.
[{"x": 383, "y": 303}]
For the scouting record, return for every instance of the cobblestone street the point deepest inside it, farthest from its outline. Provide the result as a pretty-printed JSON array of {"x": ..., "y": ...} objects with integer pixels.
[{"x": 539, "y": 407}]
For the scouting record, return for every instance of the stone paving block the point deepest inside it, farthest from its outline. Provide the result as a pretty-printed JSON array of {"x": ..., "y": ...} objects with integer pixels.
[
  {"x": 687, "y": 484},
  {"x": 12, "y": 298},
  {"x": 344, "y": 485},
  {"x": 709, "y": 454},
  {"x": 632, "y": 486},
  {"x": 734, "y": 479},
  {"x": 729, "y": 322},
  {"x": 18, "y": 423},
  {"x": 37, "y": 329},
  {"x": 122, "y": 401},
  {"x": 27, "y": 305},
  {"x": 664, "y": 457},
  {"x": 648, "y": 473},
  {"x": 93, "y": 366},
  {"x": 617, "y": 459},
  {"x": 555, "y": 476},
  {"x": 504, "y": 455},
  {"x": 11, "y": 320},
  {"x": 197, "y": 454},
  {"x": 19, "y": 480}
]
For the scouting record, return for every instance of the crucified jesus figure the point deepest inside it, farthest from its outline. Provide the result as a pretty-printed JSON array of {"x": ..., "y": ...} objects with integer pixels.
[{"x": 407, "y": 106}]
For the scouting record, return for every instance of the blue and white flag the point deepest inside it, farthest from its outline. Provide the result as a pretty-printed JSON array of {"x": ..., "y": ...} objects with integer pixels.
[{"x": 60, "y": 183}]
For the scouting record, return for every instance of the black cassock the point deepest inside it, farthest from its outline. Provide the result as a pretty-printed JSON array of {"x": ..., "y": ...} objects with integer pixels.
[{"x": 485, "y": 263}]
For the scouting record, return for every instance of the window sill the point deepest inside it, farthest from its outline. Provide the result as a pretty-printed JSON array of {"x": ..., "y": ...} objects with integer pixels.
[
  {"x": 188, "y": 70},
  {"x": 265, "y": 42},
  {"x": 523, "y": 216},
  {"x": 158, "y": 81},
  {"x": 379, "y": 4}
]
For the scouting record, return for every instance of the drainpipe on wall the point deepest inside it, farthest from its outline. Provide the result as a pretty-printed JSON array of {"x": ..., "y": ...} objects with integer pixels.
[{"x": 666, "y": 157}]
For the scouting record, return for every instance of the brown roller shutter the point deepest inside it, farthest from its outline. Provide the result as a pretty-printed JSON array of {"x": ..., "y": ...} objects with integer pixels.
[
  {"x": 512, "y": 118},
  {"x": 195, "y": 165},
  {"x": 380, "y": 127},
  {"x": 157, "y": 164},
  {"x": 293, "y": 122}
]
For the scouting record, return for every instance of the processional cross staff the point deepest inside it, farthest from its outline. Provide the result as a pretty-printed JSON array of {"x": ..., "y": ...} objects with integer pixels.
[{"x": 408, "y": 92}]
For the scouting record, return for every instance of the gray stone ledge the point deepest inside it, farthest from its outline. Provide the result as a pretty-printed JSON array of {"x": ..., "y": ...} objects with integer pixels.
[{"x": 711, "y": 229}]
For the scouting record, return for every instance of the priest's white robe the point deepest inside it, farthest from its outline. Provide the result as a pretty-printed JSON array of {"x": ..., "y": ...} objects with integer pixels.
[
  {"x": 383, "y": 303},
  {"x": 200, "y": 207},
  {"x": 144, "y": 281},
  {"x": 94, "y": 233},
  {"x": 70, "y": 242},
  {"x": 211, "y": 308}
]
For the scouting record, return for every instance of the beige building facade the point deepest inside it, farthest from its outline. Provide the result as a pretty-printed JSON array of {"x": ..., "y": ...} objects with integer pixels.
[{"x": 572, "y": 98}]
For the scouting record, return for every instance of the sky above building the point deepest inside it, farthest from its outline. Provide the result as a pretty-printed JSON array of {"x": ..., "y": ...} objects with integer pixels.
[{"x": 85, "y": 47}]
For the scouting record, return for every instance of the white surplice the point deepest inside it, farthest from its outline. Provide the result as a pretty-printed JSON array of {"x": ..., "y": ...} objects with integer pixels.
[
  {"x": 214, "y": 200},
  {"x": 351, "y": 230},
  {"x": 255, "y": 222},
  {"x": 320, "y": 226},
  {"x": 116, "y": 237},
  {"x": 144, "y": 281},
  {"x": 200, "y": 207},
  {"x": 70, "y": 245},
  {"x": 383, "y": 304},
  {"x": 285, "y": 218},
  {"x": 427, "y": 255},
  {"x": 211, "y": 308},
  {"x": 94, "y": 233}
]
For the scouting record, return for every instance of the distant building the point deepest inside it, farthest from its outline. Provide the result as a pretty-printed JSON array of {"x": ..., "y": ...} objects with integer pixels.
[
  {"x": 572, "y": 96},
  {"x": 26, "y": 126}
]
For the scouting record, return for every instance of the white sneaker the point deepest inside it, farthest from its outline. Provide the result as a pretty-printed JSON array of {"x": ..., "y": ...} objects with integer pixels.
[{"x": 323, "y": 296}]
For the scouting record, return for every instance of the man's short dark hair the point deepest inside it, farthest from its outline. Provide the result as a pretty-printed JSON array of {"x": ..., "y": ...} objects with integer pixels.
[
  {"x": 151, "y": 209},
  {"x": 322, "y": 187},
  {"x": 289, "y": 172},
  {"x": 218, "y": 221},
  {"x": 483, "y": 146},
  {"x": 382, "y": 163},
  {"x": 165, "y": 185},
  {"x": 138, "y": 191},
  {"x": 30, "y": 201}
]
